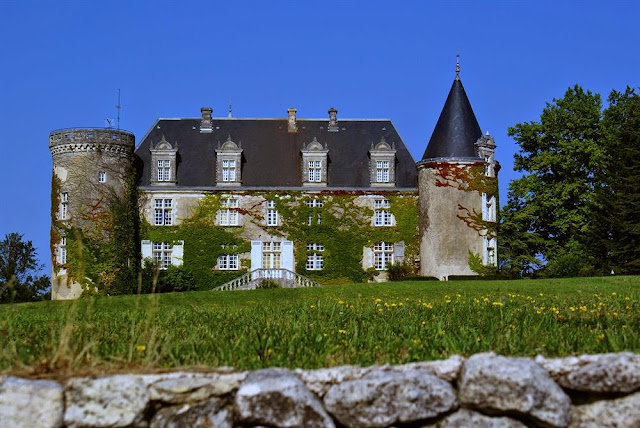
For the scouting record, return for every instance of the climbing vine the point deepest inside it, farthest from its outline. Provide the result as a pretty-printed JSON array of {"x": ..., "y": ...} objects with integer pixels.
[
  {"x": 469, "y": 178},
  {"x": 342, "y": 224},
  {"x": 102, "y": 237}
]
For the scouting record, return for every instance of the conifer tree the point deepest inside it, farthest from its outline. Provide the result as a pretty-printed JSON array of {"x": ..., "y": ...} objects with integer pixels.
[
  {"x": 619, "y": 197},
  {"x": 549, "y": 210}
]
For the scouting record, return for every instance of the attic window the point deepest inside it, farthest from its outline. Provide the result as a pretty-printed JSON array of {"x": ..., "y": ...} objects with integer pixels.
[{"x": 382, "y": 164}]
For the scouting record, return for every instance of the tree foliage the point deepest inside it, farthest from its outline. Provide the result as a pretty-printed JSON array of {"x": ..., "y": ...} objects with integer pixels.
[
  {"x": 575, "y": 209},
  {"x": 20, "y": 278},
  {"x": 619, "y": 196}
]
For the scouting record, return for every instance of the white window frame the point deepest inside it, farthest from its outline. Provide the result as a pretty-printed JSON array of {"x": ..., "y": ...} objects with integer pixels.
[
  {"x": 227, "y": 214},
  {"x": 272, "y": 213},
  {"x": 229, "y": 170},
  {"x": 315, "y": 260},
  {"x": 163, "y": 212},
  {"x": 382, "y": 171},
  {"x": 102, "y": 177},
  {"x": 271, "y": 255},
  {"x": 228, "y": 262},
  {"x": 62, "y": 251},
  {"x": 314, "y": 171},
  {"x": 314, "y": 203},
  {"x": 382, "y": 255},
  {"x": 161, "y": 254},
  {"x": 382, "y": 218},
  {"x": 64, "y": 206},
  {"x": 164, "y": 170}
]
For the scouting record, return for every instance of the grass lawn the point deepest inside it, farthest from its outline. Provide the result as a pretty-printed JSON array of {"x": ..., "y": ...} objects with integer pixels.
[{"x": 359, "y": 324}]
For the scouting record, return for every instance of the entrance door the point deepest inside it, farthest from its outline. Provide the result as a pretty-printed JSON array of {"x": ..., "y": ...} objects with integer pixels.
[{"x": 272, "y": 255}]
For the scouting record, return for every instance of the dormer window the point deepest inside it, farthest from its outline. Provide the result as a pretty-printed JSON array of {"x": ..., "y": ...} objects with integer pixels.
[
  {"x": 228, "y": 164},
  {"x": 382, "y": 164},
  {"x": 102, "y": 177},
  {"x": 163, "y": 159},
  {"x": 382, "y": 171},
  {"x": 314, "y": 164},
  {"x": 164, "y": 170},
  {"x": 228, "y": 170}
]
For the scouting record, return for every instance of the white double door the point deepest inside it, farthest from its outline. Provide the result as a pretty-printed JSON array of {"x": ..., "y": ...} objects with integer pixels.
[{"x": 272, "y": 255}]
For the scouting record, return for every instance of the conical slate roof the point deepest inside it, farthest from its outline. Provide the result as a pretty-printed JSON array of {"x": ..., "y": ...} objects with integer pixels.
[{"x": 457, "y": 129}]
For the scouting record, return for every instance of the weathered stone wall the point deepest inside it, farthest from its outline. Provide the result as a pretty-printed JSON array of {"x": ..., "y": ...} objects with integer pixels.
[
  {"x": 445, "y": 239},
  {"x": 485, "y": 390}
]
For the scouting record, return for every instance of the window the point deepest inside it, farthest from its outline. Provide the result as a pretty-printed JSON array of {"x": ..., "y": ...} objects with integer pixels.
[
  {"x": 62, "y": 251},
  {"x": 381, "y": 216},
  {"x": 315, "y": 171},
  {"x": 314, "y": 203},
  {"x": 228, "y": 262},
  {"x": 272, "y": 213},
  {"x": 315, "y": 247},
  {"x": 161, "y": 254},
  {"x": 164, "y": 170},
  {"x": 102, "y": 177},
  {"x": 228, "y": 170},
  {"x": 227, "y": 215},
  {"x": 315, "y": 260},
  {"x": 64, "y": 206},
  {"x": 163, "y": 212},
  {"x": 382, "y": 255},
  {"x": 382, "y": 171},
  {"x": 271, "y": 252}
]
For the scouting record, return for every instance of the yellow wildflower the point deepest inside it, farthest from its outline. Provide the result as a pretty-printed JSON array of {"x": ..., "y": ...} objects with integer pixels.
[{"x": 140, "y": 348}]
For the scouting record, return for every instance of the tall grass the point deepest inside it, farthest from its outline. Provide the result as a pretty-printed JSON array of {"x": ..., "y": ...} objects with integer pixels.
[{"x": 358, "y": 324}]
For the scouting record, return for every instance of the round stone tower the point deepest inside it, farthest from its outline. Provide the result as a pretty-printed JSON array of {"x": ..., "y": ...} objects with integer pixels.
[
  {"x": 91, "y": 167},
  {"x": 457, "y": 190}
]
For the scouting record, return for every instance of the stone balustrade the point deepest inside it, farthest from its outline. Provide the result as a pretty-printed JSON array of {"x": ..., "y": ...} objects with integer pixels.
[{"x": 484, "y": 390}]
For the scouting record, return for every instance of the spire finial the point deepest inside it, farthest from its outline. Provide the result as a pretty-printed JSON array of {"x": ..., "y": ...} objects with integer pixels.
[
  {"x": 230, "y": 113},
  {"x": 458, "y": 66}
]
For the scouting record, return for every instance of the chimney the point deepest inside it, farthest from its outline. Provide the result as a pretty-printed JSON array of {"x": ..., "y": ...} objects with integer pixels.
[
  {"x": 293, "y": 127},
  {"x": 333, "y": 120},
  {"x": 206, "y": 125}
]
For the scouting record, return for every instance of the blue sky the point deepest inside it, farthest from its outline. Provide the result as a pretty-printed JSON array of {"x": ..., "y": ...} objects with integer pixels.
[{"x": 63, "y": 63}]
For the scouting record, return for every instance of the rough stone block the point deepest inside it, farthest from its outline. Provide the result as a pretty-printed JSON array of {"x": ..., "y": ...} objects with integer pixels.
[
  {"x": 496, "y": 384},
  {"x": 114, "y": 401},
  {"x": 30, "y": 403},
  {"x": 276, "y": 397},
  {"x": 382, "y": 398}
]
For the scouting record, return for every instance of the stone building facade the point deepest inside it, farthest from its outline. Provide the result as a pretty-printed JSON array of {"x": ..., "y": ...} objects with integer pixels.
[{"x": 328, "y": 198}]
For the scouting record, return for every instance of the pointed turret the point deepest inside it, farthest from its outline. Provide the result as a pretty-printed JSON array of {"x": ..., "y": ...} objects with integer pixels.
[
  {"x": 450, "y": 199},
  {"x": 457, "y": 130}
]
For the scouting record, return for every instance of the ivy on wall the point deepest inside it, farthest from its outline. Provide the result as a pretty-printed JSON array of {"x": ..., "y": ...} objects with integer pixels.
[
  {"x": 341, "y": 225},
  {"x": 469, "y": 178},
  {"x": 102, "y": 240}
]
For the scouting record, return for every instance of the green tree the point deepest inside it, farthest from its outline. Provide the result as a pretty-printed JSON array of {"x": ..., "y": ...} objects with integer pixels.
[
  {"x": 20, "y": 279},
  {"x": 618, "y": 215},
  {"x": 549, "y": 209}
]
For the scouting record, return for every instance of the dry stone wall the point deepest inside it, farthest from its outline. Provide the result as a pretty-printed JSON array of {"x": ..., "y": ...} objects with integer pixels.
[{"x": 484, "y": 390}]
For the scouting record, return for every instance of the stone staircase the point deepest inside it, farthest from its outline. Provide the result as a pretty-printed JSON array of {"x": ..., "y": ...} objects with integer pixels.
[{"x": 284, "y": 277}]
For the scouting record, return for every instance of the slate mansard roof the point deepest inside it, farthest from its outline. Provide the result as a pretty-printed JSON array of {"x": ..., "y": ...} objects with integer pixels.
[
  {"x": 457, "y": 129},
  {"x": 272, "y": 156}
]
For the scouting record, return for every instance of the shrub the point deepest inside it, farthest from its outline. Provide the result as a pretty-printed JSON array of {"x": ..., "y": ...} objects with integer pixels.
[
  {"x": 398, "y": 272},
  {"x": 268, "y": 284}
]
